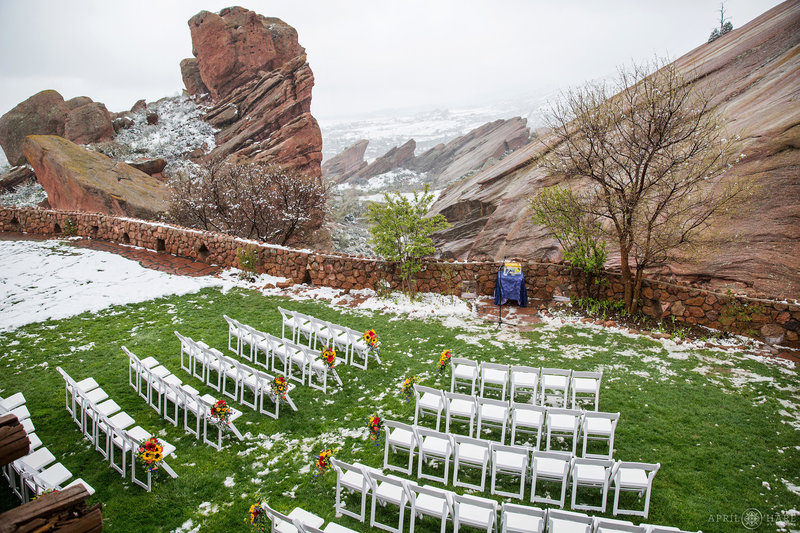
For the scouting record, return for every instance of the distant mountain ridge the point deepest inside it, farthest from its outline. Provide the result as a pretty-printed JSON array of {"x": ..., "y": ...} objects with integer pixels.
[{"x": 755, "y": 71}]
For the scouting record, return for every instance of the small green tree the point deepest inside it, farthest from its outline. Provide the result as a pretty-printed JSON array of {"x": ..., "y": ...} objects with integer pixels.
[
  {"x": 576, "y": 228},
  {"x": 725, "y": 25},
  {"x": 401, "y": 231}
]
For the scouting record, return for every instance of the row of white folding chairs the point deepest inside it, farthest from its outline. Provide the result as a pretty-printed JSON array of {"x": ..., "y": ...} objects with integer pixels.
[
  {"x": 245, "y": 379},
  {"x": 36, "y": 472},
  {"x": 467, "y": 510},
  {"x": 522, "y": 461},
  {"x": 541, "y": 383},
  {"x": 525, "y": 419},
  {"x": 305, "y": 360},
  {"x": 301, "y": 521},
  {"x": 109, "y": 428},
  {"x": 163, "y": 387},
  {"x": 327, "y": 333}
]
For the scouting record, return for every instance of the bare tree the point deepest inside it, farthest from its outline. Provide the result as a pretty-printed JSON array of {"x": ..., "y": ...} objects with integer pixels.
[
  {"x": 653, "y": 154},
  {"x": 254, "y": 201}
]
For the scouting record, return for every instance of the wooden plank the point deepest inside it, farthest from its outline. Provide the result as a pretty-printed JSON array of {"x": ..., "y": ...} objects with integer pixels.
[
  {"x": 8, "y": 419},
  {"x": 46, "y": 505}
]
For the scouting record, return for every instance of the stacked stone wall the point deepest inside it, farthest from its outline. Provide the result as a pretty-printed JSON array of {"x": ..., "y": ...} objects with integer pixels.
[{"x": 761, "y": 318}]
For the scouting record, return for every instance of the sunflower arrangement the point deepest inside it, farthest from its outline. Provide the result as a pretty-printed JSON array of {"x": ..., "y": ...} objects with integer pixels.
[
  {"x": 444, "y": 360},
  {"x": 258, "y": 517},
  {"x": 408, "y": 387},
  {"x": 329, "y": 356},
  {"x": 151, "y": 452},
  {"x": 322, "y": 462},
  {"x": 279, "y": 387},
  {"x": 220, "y": 413},
  {"x": 371, "y": 338},
  {"x": 375, "y": 425}
]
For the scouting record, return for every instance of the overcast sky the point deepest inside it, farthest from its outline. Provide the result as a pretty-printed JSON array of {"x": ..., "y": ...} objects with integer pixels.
[{"x": 366, "y": 55}]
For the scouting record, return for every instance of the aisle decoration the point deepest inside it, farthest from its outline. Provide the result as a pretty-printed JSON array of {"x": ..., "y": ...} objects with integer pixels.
[
  {"x": 279, "y": 387},
  {"x": 322, "y": 462},
  {"x": 371, "y": 338},
  {"x": 408, "y": 387},
  {"x": 220, "y": 414},
  {"x": 151, "y": 452},
  {"x": 444, "y": 360},
  {"x": 258, "y": 517},
  {"x": 329, "y": 357},
  {"x": 375, "y": 425}
]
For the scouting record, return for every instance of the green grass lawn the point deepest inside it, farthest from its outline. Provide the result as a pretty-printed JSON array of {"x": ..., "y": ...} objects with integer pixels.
[{"x": 723, "y": 425}]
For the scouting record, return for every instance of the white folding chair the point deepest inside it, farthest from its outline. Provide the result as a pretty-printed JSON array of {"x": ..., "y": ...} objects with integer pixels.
[
  {"x": 194, "y": 407},
  {"x": 460, "y": 408},
  {"x": 429, "y": 401},
  {"x": 464, "y": 372},
  {"x": 175, "y": 394},
  {"x": 154, "y": 378},
  {"x": 387, "y": 490},
  {"x": 609, "y": 525},
  {"x": 106, "y": 425},
  {"x": 235, "y": 372},
  {"x": 429, "y": 501},
  {"x": 234, "y": 332},
  {"x": 597, "y": 426},
  {"x": 473, "y": 453},
  {"x": 351, "y": 477},
  {"x": 436, "y": 445},
  {"x": 550, "y": 467},
  {"x": 221, "y": 366},
  {"x": 512, "y": 460},
  {"x": 282, "y": 523},
  {"x": 563, "y": 423},
  {"x": 494, "y": 376},
  {"x": 517, "y": 518},
  {"x": 304, "y": 327},
  {"x": 528, "y": 419},
  {"x": 137, "y": 435},
  {"x": 296, "y": 358},
  {"x": 359, "y": 349},
  {"x": 279, "y": 354},
  {"x": 568, "y": 522},
  {"x": 187, "y": 353},
  {"x": 592, "y": 474},
  {"x": 633, "y": 477},
  {"x": 338, "y": 338},
  {"x": 288, "y": 320},
  {"x": 320, "y": 332},
  {"x": 525, "y": 380},
  {"x": 586, "y": 386},
  {"x": 259, "y": 345},
  {"x": 400, "y": 438},
  {"x": 554, "y": 384},
  {"x": 473, "y": 511},
  {"x": 12, "y": 402},
  {"x": 492, "y": 413}
]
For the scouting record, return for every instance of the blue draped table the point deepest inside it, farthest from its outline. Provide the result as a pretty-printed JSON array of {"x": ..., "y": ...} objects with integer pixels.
[{"x": 510, "y": 287}]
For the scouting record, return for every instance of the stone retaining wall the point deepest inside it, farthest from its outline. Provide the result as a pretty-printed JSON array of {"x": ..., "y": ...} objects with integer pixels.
[{"x": 759, "y": 318}]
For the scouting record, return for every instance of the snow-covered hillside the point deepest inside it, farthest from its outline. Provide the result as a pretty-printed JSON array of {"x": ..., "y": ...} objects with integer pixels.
[{"x": 428, "y": 128}]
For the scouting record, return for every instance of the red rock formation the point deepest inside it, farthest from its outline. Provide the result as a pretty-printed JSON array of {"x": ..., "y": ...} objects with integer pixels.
[
  {"x": 191, "y": 77},
  {"x": 83, "y": 180},
  {"x": 88, "y": 123},
  {"x": 260, "y": 82},
  {"x": 43, "y": 113},
  {"x": 397, "y": 157},
  {"x": 756, "y": 71},
  {"x": 346, "y": 163}
]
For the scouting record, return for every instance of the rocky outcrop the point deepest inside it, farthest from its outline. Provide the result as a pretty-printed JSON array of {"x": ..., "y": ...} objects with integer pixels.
[
  {"x": 191, "y": 77},
  {"x": 260, "y": 83},
  {"x": 44, "y": 113},
  {"x": 88, "y": 123},
  {"x": 397, "y": 157},
  {"x": 755, "y": 72},
  {"x": 15, "y": 176},
  {"x": 444, "y": 163},
  {"x": 346, "y": 163},
  {"x": 79, "y": 179}
]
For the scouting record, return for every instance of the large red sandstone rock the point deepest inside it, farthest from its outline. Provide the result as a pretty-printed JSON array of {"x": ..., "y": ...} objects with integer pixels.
[
  {"x": 260, "y": 82},
  {"x": 348, "y": 162},
  {"x": 88, "y": 123},
  {"x": 191, "y": 77},
  {"x": 755, "y": 71},
  {"x": 83, "y": 180},
  {"x": 43, "y": 113},
  {"x": 397, "y": 157}
]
